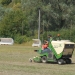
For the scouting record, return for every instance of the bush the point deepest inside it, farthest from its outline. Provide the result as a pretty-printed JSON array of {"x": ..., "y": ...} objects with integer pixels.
[
  {"x": 65, "y": 34},
  {"x": 21, "y": 39}
]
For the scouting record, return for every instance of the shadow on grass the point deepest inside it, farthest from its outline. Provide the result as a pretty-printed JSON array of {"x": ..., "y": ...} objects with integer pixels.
[
  {"x": 58, "y": 64},
  {"x": 72, "y": 63}
]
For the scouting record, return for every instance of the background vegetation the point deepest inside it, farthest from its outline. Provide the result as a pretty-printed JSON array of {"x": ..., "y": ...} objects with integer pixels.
[{"x": 19, "y": 19}]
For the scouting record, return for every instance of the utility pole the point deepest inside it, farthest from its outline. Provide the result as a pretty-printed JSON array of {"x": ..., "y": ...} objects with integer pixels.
[
  {"x": 70, "y": 30},
  {"x": 39, "y": 26},
  {"x": 22, "y": 11}
]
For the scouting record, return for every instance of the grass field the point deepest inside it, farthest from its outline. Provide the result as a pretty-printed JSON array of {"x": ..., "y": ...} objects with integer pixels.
[{"x": 14, "y": 60}]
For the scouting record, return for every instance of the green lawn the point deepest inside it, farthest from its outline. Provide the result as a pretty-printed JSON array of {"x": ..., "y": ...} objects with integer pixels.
[{"x": 14, "y": 60}]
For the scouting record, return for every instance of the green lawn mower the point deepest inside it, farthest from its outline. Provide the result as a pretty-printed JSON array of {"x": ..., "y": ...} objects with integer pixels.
[{"x": 57, "y": 51}]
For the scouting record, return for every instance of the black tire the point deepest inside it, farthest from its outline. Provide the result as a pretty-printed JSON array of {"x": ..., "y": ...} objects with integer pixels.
[
  {"x": 68, "y": 61},
  {"x": 44, "y": 59},
  {"x": 60, "y": 61}
]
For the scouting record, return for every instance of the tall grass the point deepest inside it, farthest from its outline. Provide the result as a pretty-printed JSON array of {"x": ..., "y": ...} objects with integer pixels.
[{"x": 14, "y": 60}]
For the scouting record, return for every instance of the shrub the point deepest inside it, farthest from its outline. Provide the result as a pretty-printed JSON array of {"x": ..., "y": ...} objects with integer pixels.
[
  {"x": 65, "y": 34},
  {"x": 21, "y": 39}
]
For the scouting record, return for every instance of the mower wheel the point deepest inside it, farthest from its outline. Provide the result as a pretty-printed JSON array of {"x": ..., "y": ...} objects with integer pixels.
[
  {"x": 60, "y": 61},
  {"x": 68, "y": 61},
  {"x": 44, "y": 59},
  {"x": 30, "y": 60}
]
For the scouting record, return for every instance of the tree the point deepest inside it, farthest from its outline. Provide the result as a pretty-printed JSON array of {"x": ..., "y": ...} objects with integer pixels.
[
  {"x": 58, "y": 13},
  {"x": 23, "y": 17},
  {"x": 12, "y": 24}
]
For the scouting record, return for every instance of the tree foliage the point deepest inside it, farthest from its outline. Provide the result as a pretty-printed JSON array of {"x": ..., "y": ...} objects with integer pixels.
[
  {"x": 22, "y": 18},
  {"x": 55, "y": 14},
  {"x": 12, "y": 24},
  {"x": 2, "y": 10},
  {"x": 6, "y": 2}
]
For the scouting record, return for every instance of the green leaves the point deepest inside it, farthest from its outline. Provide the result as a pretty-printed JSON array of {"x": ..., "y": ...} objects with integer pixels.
[
  {"x": 12, "y": 23},
  {"x": 21, "y": 16},
  {"x": 6, "y": 2},
  {"x": 2, "y": 10}
]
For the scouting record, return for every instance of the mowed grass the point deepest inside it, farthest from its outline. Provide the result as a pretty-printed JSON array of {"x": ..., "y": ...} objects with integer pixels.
[{"x": 14, "y": 60}]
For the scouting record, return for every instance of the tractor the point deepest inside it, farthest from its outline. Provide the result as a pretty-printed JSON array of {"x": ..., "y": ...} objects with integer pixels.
[{"x": 59, "y": 51}]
